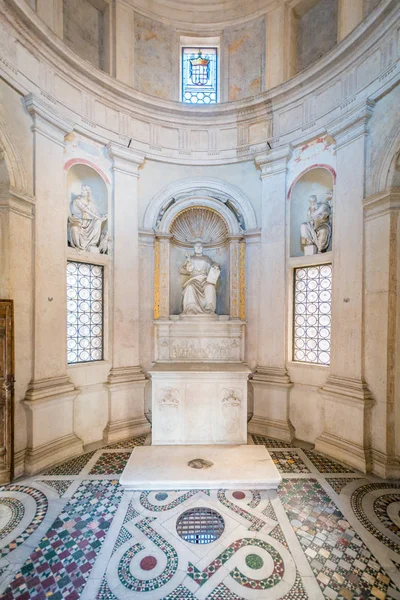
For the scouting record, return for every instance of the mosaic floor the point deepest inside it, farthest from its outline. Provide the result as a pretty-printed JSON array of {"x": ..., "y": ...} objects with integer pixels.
[{"x": 328, "y": 532}]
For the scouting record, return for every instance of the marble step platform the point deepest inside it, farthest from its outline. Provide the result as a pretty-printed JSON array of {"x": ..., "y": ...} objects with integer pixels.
[{"x": 233, "y": 467}]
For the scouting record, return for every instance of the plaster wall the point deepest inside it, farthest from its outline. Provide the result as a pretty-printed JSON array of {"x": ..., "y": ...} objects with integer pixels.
[
  {"x": 84, "y": 30},
  {"x": 156, "y": 58},
  {"x": 244, "y": 52},
  {"x": 316, "y": 33}
]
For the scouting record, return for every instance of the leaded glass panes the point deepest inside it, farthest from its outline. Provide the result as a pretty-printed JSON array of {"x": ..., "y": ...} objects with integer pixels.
[
  {"x": 84, "y": 312},
  {"x": 312, "y": 314},
  {"x": 199, "y": 75}
]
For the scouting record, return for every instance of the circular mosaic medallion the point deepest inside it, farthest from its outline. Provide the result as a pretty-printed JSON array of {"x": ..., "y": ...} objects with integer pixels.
[
  {"x": 161, "y": 496},
  {"x": 200, "y": 525},
  {"x": 254, "y": 561},
  {"x": 148, "y": 563},
  {"x": 200, "y": 463},
  {"x": 239, "y": 495}
]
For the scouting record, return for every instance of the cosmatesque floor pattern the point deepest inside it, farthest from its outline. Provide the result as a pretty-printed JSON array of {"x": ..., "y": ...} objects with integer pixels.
[{"x": 327, "y": 533}]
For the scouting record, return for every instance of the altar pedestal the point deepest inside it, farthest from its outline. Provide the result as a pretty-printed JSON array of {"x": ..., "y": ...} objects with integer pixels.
[{"x": 199, "y": 403}]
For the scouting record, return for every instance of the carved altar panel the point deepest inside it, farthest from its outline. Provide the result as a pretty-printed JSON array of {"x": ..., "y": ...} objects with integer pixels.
[
  {"x": 199, "y": 340},
  {"x": 199, "y": 403}
]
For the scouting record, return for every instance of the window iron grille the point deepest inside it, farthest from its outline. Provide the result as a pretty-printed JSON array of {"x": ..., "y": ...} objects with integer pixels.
[
  {"x": 85, "y": 283},
  {"x": 200, "y": 525},
  {"x": 312, "y": 314}
]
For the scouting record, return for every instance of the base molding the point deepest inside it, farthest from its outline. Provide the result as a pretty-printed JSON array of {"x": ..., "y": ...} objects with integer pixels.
[
  {"x": 121, "y": 375},
  {"x": 41, "y": 390},
  {"x": 272, "y": 376},
  {"x": 51, "y": 453},
  {"x": 126, "y": 417},
  {"x": 345, "y": 451},
  {"x": 120, "y": 430},
  {"x": 19, "y": 463},
  {"x": 280, "y": 430},
  {"x": 347, "y": 390},
  {"x": 271, "y": 387},
  {"x": 385, "y": 465},
  {"x": 347, "y": 410}
]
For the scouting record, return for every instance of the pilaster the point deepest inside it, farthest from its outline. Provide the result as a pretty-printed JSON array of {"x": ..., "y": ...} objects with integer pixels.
[
  {"x": 50, "y": 395},
  {"x": 124, "y": 42},
  {"x": 349, "y": 16},
  {"x": 270, "y": 381},
  {"x": 381, "y": 326},
  {"x": 126, "y": 381},
  {"x": 347, "y": 398}
]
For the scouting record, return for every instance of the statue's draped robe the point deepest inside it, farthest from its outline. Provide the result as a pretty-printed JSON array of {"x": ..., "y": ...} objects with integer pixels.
[
  {"x": 318, "y": 229},
  {"x": 198, "y": 296},
  {"x": 85, "y": 231}
]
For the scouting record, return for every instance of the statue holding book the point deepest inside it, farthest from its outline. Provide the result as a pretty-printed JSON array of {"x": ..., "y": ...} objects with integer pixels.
[{"x": 199, "y": 296}]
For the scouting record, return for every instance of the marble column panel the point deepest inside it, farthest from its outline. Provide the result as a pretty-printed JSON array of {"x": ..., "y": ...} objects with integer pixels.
[
  {"x": 271, "y": 382},
  {"x": 347, "y": 399},
  {"x": 50, "y": 395},
  {"x": 126, "y": 381},
  {"x": 382, "y": 263}
]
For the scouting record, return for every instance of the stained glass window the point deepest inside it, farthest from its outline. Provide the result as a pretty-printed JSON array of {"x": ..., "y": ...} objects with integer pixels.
[
  {"x": 84, "y": 312},
  {"x": 312, "y": 314},
  {"x": 199, "y": 75}
]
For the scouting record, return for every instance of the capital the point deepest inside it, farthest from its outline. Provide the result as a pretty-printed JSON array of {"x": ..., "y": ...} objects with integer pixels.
[{"x": 125, "y": 160}]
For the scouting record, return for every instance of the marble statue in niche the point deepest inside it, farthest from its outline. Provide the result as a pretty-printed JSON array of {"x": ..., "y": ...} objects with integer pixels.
[
  {"x": 86, "y": 223},
  {"x": 199, "y": 295},
  {"x": 316, "y": 232}
]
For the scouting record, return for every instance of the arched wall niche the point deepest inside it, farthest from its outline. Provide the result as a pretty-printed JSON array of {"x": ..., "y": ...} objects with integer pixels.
[
  {"x": 199, "y": 221},
  {"x": 84, "y": 174},
  {"x": 226, "y": 198},
  {"x": 317, "y": 180}
]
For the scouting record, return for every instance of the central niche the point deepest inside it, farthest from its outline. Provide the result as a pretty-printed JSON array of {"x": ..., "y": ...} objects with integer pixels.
[{"x": 190, "y": 226}]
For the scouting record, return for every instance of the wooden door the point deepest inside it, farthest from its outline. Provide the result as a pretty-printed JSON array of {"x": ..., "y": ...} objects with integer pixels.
[{"x": 6, "y": 391}]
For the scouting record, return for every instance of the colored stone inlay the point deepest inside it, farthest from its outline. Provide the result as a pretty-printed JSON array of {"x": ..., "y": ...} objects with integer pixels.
[
  {"x": 61, "y": 563},
  {"x": 288, "y": 462},
  {"x": 357, "y": 506},
  {"x": 70, "y": 467},
  {"x": 270, "y": 442},
  {"x": 254, "y": 561},
  {"x": 16, "y": 510},
  {"x": 148, "y": 563},
  {"x": 40, "y": 512},
  {"x": 256, "y": 523},
  {"x": 339, "y": 559},
  {"x": 145, "y": 502},
  {"x": 130, "y": 443},
  {"x": 161, "y": 496},
  {"x": 239, "y": 495},
  {"x": 325, "y": 464},
  {"x": 59, "y": 485},
  {"x": 110, "y": 463}
]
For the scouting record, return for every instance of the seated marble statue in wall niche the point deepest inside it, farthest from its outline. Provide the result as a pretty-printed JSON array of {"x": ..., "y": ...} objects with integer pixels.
[
  {"x": 316, "y": 232},
  {"x": 199, "y": 296},
  {"x": 85, "y": 224}
]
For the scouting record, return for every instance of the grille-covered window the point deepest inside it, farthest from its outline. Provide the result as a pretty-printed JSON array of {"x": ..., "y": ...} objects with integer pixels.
[
  {"x": 85, "y": 284},
  {"x": 312, "y": 314}
]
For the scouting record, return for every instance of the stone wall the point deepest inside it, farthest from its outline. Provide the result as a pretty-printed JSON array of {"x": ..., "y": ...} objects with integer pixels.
[
  {"x": 244, "y": 56},
  {"x": 156, "y": 58},
  {"x": 316, "y": 33},
  {"x": 83, "y": 30}
]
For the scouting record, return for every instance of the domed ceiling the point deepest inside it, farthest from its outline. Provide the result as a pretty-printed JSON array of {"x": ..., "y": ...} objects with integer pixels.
[{"x": 206, "y": 14}]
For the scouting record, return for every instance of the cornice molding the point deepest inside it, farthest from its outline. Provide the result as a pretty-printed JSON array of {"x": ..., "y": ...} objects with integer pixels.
[
  {"x": 18, "y": 203},
  {"x": 275, "y": 161},
  {"x": 352, "y": 126},
  {"x": 382, "y": 203},
  {"x": 46, "y": 121},
  {"x": 125, "y": 160}
]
